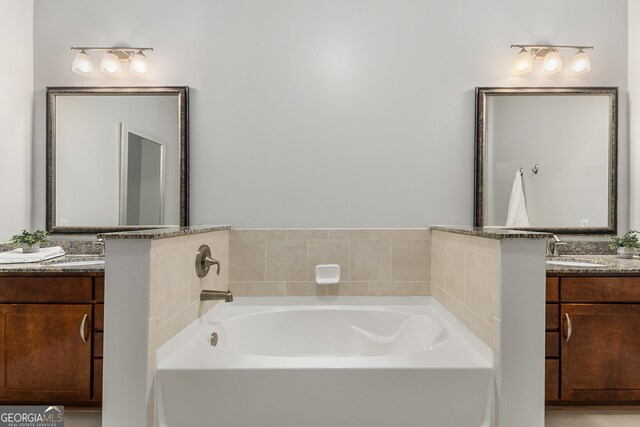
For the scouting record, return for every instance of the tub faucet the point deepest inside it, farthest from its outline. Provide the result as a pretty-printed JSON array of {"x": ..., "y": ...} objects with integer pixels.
[
  {"x": 209, "y": 295},
  {"x": 552, "y": 245}
]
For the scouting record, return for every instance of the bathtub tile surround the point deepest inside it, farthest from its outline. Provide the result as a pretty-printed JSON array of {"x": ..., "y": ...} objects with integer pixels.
[
  {"x": 466, "y": 280},
  {"x": 493, "y": 281},
  {"x": 376, "y": 262},
  {"x": 152, "y": 274}
]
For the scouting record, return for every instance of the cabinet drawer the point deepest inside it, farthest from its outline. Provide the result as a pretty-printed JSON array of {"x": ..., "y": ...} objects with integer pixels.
[
  {"x": 98, "y": 340},
  {"x": 553, "y": 289},
  {"x": 553, "y": 312},
  {"x": 49, "y": 289},
  {"x": 552, "y": 379},
  {"x": 552, "y": 344},
  {"x": 99, "y": 317},
  {"x": 99, "y": 292},
  {"x": 600, "y": 289}
]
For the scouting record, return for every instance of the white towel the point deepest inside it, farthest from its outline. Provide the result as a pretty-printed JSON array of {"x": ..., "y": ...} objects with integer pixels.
[
  {"x": 16, "y": 256},
  {"x": 517, "y": 214}
]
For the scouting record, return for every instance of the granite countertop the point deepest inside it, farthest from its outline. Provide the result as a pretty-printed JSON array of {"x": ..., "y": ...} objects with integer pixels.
[
  {"x": 55, "y": 265},
  {"x": 163, "y": 233},
  {"x": 490, "y": 232},
  {"x": 608, "y": 264}
]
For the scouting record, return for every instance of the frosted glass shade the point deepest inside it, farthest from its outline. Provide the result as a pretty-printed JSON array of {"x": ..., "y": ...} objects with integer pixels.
[
  {"x": 82, "y": 63},
  {"x": 110, "y": 64},
  {"x": 552, "y": 63},
  {"x": 523, "y": 63},
  {"x": 580, "y": 63},
  {"x": 139, "y": 64}
]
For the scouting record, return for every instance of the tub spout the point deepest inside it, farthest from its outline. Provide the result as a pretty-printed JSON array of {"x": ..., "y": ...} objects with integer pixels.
[{"x": 209, "y": 295}]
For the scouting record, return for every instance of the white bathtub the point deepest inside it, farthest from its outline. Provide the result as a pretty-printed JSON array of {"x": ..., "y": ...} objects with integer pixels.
[{"x": 325, "y": 362}]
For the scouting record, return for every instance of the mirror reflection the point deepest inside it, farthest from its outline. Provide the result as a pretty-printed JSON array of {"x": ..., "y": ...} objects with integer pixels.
[
  {"x": 546, "y": 159},
  {"x": 118, "y": 158}
]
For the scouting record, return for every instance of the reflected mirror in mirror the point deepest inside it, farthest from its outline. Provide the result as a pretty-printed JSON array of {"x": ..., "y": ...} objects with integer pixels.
[
  {"x": 546, "y": 159},
  {"x": 142, "y": 176},
  {"x": 116, "y": 158}
]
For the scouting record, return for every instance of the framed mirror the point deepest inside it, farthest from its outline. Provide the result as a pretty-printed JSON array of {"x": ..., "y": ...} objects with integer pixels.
[
  {"x": 546, "y": 159},
  {"x": 117, "y": 158}
]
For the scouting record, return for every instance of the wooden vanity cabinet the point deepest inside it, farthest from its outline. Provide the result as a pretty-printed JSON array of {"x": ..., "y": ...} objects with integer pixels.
[
  {"x": 598, "y": 340},
  {"x": 50, "y": 346}
]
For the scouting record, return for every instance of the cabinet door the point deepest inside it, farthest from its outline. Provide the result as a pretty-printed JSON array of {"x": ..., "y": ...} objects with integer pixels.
[
  {"x": 600, "y": 352},
  {"x": 45, "y": 352}
]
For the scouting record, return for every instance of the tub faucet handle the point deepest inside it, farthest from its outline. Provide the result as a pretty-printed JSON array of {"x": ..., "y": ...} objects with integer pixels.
[
  {"x": 208, "y": 262},
  {"x": 204, "y": 261}
]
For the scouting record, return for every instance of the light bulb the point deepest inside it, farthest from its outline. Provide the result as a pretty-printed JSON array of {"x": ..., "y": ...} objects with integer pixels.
[
  {"x": 523, "y": 63},
  {"x": 82, "y": 63},
  {"x": 552, "y": 62},
  {"x": 580, "y": 63},
  {"x": 110, "y": 64},
  {"x": 139, "y": 64}
]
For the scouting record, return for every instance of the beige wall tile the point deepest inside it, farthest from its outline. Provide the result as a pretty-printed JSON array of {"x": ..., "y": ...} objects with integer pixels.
[
  {"x": 333, "y": 290},
  {"x": 246, "y": 260},
  {"x": 369, "y": 260},
  {"x": 421, "y": 234},
  {"x": 487, "y": 246},
  {"x": 168, "y": 329},
  {"x": 391, "y": 233},
  {"x": 307, "y": 234},
  {"x": 328, "y": 252},
  {"x": 304, "y": 289},
  {"x": 410, "y": 260},
  {"x": 481, "y": 280},
  {"x": 349, "y": 234},
  {"x": 258, "y": 234},
  {"x": 264, "y": 289},
  {"x": 237, "y": 288},
  {"x": 454, "y": 270},
  {"x": 353, "y": 289},
  {"x": 383, "y": 289},
  {"x": 420, "y": 288},
  {"x": 188, "y": 315},
  {"x": 438, "y": 262},
  {"x": 286, "y": 260}
]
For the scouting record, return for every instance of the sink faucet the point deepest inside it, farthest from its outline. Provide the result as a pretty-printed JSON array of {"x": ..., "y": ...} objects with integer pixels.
[
  {"x": 552, "y": 245},
  {"x": 209, "y": 295}
]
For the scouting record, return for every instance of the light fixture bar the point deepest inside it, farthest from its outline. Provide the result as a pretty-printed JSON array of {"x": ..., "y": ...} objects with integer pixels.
[
  {"x": 107, "y": 49},
  {"x": 549, "y": 46}
]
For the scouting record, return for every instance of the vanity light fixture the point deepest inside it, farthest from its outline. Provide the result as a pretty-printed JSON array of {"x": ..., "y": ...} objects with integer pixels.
[
  {"x": 111, "y": 63},
  {"x": 82, "y": 63},
  {"x": 551, "y": 59}
]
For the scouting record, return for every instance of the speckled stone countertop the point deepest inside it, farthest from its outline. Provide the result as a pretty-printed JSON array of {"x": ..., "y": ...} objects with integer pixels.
[
  {"x": 490, "y": 232},
  {"x": 55, "y": 265},
  {"x": 163, "y": 233},
  {"x": 608, "y": 265}
]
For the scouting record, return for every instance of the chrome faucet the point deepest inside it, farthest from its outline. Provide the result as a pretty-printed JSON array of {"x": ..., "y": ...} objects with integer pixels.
[
  {"x": 100, "y": 242},
  {"x": 552, "y": 245},
  {"x": 209, "y": 295}
]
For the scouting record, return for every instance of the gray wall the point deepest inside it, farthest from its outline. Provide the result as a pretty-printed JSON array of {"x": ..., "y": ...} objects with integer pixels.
[
  {"x": 330, "y": 114},
  {"x": 16, "y": 71},
  {"x": 634, "y": 113}
]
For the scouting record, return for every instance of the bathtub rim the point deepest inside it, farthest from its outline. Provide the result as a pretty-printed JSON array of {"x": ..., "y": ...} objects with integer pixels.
[{"x": 183, "y": 337}]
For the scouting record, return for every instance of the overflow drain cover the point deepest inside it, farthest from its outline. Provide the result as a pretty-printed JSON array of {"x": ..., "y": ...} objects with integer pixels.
[{"x": 213, "y": 339}]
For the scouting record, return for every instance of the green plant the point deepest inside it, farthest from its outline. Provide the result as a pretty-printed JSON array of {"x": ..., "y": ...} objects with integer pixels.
[
  {"x": 629, "y": 240},
  {"x": 35, "y": 238}
]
